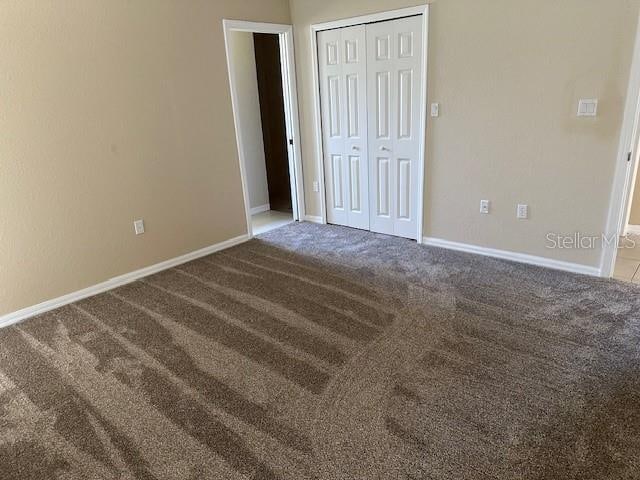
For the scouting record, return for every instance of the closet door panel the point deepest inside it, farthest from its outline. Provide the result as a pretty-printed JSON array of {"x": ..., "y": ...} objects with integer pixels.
[
  {"x": 331, "y": 100},
  {"x": 343, "y": 93},
  {"x": 382, "y": 85},
  {"x": 408, "y": 64},
  {"x": 394, "y": 68}
]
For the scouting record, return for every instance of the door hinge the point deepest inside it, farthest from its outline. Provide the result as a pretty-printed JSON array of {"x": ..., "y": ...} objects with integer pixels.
[
  {"x": 291, "y": 141},
  {"x": 629, "y": 157}
]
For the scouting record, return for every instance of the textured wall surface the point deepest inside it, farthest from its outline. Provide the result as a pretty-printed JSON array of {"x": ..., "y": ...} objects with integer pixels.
[
  {"x": 112, "y": 111},
  {"x": 508, "y": 75},
  {"x": 243, "y": 61}
]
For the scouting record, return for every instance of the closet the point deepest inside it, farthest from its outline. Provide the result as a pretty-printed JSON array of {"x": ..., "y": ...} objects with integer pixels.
[{"x": 371, "y": 104}]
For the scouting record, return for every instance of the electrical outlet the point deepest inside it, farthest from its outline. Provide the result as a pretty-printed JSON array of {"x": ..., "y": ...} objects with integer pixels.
[
  {"x": 522, "y": 211},
  {"x": 138, "y": 226},
  {"x": 316, "y": 187},
  {"x": 484, "y": 206}
]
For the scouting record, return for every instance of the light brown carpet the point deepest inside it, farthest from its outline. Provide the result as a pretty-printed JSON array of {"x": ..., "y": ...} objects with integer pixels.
[{"x": 320, "y": 352}]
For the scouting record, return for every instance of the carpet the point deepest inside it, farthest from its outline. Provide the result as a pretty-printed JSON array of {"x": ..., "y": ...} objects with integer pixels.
[{"x": 321, "y": 352}]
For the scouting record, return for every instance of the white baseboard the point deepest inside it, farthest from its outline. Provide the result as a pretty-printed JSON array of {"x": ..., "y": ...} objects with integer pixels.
[
  {"x": 515, "y": 257},
  {"x": 313, "y": 219},
  {"x": 260, "y": 208},
  {"x": 11, "y": 318},
  {"x": 633, "y": 229}
]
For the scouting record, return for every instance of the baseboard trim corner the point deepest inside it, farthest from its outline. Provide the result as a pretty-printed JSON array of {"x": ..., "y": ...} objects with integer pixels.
[
  {"x": 514, "y": 256},
  {"x": 313, "y": 219},
  {"x": 28, "y": 312},
  {"x": 260, "y": 208}
]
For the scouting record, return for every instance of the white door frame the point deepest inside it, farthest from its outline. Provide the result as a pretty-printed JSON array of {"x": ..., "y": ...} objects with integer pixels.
[
  {"x": 625, "y": 172},
  {"x": 289, "y": 89},
  {"x": 348, "y": 22}
]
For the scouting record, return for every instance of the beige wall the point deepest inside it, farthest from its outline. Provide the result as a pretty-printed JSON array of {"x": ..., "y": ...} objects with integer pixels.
[
  {"x": 508, "y": 75},
  {"x": 113, "y": 110},
  {"x": 634, "y": 219},
  {"x": 116, "y": 110},
  {"x": 243, "y": 62}
]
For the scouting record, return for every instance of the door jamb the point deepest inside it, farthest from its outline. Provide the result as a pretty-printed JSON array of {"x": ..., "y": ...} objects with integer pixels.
[
  {"x": 348, "y": 22},
  {"x": 625, "y": 172},
  {"x": 289, "y": 89}
]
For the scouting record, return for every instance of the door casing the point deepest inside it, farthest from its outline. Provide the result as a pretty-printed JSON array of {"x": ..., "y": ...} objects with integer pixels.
[
  {"x": 289, "y": 88},
  {"x": 625, "y": 172}
]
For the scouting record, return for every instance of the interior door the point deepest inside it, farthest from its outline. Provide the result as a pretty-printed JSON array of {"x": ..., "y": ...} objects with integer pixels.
[
  {"x": 342, "y": 75},
  {"x": 274, "y": 127},
  {"x": 394, "y": 69}
]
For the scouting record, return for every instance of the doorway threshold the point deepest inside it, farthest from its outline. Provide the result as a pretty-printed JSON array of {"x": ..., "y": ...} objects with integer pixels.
[{"x": 270, "y": 220}]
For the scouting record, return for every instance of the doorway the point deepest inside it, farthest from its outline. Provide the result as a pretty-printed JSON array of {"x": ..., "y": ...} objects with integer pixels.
[
  {"x": 618, "y": 244},
  {"x": 274, "y": 131},
  {"x": 370, "y": 91},
  {"x": 627, "y": 262},
  {"x": 262, "y": 84}
]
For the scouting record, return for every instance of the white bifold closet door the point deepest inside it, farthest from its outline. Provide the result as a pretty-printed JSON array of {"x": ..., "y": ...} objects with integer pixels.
[
  {"x": 394, "y": 101},
  {"x": 370, "y": 77},
  {"x": 343, "y": 85}
]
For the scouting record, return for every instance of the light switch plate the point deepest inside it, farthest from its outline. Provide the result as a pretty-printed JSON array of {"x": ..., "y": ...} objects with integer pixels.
[
  {"x": 138, "y": 226},
  {"x": 522, "y": 211},
  {"x": 588, "y": 107},
  {"x": 435, "y": 109}
]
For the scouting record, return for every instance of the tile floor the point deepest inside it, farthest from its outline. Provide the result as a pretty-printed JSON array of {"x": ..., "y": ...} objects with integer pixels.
[
  {"x": 269, "y": 220},
  {"x": 628, "y": 262}
]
